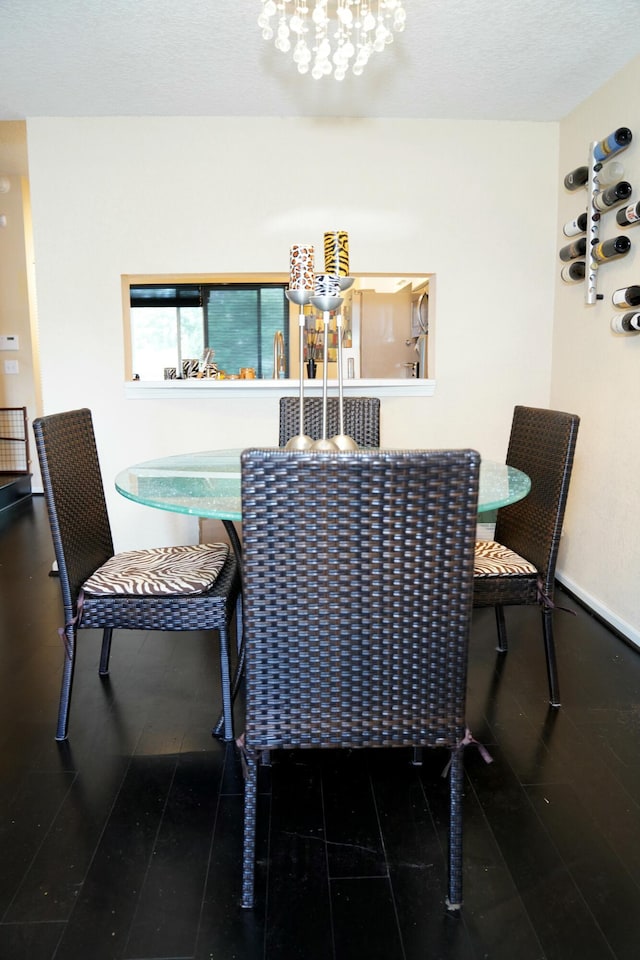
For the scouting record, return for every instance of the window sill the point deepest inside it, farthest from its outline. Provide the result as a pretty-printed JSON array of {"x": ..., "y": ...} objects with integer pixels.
[{"x": 224, "y": 389}]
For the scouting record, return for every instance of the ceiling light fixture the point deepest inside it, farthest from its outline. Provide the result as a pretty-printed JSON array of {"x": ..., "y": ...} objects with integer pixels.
[{"x": 329, "y": 37}]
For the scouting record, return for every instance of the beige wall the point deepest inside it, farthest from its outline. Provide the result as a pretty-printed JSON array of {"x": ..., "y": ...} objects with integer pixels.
[
  {"x": 17, "y": 304},
  {"x": 114, "y": 196},
  {"x": 597, "y": 375},
  {"x": 13, "y": 148},
  {"x": 15, "y": 390},
  {"x": 475, "y": 203},
  {"x": 481, "y": 205}
]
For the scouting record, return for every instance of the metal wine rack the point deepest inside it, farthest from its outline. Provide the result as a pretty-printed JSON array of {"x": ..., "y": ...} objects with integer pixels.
[
  {"x": 593, "y": 227},
  {"x": 593, "y": 222}
]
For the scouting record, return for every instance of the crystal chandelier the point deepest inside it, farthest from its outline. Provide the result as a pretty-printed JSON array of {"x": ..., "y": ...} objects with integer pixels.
[{"x": 331, "y": 36}]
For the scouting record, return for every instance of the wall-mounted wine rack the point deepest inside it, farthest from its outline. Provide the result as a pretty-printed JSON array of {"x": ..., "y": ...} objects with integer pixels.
[
  {"x": 600, "y": 152},
  {"x": 593, "y": 228}
]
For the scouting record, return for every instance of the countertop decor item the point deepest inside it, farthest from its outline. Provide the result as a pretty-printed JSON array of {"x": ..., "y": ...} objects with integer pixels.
[{"x": 313, "y": 343}]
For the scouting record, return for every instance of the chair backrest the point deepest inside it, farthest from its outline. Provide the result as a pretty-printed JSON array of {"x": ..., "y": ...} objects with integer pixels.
[
  {"x": 75, "y": 498},
  {"x": 358, "y": 585},
  {"x": 361, "y": 419},
  {"x": 542, "y": 444}
]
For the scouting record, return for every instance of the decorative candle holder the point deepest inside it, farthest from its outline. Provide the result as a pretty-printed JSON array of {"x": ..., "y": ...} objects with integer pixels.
[
  {"x": 325, "y": 297},
  {"x": 301, "y": 441},
  {"x": 336, "y": 252},
  {"x": 325, "y": 304},
  {"x": 341, "y": 439}
]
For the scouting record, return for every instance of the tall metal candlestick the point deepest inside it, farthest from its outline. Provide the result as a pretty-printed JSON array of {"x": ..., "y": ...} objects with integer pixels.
[
  {"x": 341, "y": 439},
  {"x": 325, "y": 304},
  {"x": 301, "y": 441}
]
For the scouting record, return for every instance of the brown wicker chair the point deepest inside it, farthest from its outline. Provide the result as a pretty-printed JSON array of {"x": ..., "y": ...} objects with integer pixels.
[
  {"x": 358, "y": 584},
  {"x": 361, "y": 419},
  {"x": 542, "y": 444},
  {"x": 82, "y": 541}
]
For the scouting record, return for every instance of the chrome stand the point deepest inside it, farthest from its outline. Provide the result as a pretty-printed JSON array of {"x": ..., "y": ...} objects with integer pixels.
[
  {"x": 325, "y": 304},
  {"x": 341, "y": 440},
  {"x": 301, "y": 441}
]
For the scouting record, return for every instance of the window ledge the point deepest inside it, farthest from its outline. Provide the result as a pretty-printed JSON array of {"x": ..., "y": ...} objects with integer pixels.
[{"x": 224, "y": 389}]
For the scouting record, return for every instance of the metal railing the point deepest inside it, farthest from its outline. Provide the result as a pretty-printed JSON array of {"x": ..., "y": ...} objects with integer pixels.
[{"x": 14, "y": 441}]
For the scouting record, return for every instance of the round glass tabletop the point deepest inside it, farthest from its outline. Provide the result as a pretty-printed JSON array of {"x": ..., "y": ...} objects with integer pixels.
[{"x": 207, "y": 484}]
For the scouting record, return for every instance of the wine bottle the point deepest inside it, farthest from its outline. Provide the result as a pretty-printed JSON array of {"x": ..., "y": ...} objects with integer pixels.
[
  {"x": 573, "y": 227},
  {"x": 626, "y": 323},
  {"x": 611, "y": 249},
  {"x": 609, "y": 197},
  {"x": 577, "y": 178},
  {"x": 609, "y": 173},
  {"x": 629, "y": 215},
  {"x": 614, "y": 143},
  {"x": 573, "y": 272},
  {"x": 573, "y": 250},
  {"x": 626, "y": 296}
]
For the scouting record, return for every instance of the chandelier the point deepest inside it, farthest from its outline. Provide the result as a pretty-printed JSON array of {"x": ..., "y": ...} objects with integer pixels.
[{"x": 331, "y": 36}]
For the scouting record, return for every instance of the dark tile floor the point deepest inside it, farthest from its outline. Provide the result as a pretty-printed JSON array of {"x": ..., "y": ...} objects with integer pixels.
[{"x": 125, "y": 842}]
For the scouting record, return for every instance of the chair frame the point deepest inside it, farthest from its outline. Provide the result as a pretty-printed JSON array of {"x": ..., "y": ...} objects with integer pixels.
[
  {"x": 358, "y": 588},
  {"x": 82, "y": 541},
  {"x": 361, "y": 419},
  {"x": 542, "y": 444}
]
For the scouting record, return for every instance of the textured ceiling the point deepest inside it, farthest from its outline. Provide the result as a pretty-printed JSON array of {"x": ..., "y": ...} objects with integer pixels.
[{"x": 483, "y": 59}]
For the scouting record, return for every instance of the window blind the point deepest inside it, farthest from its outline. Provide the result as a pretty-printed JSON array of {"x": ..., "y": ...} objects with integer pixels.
[
  {"x": 241, "y": 321},
  {"x": 161, "y": 295}
]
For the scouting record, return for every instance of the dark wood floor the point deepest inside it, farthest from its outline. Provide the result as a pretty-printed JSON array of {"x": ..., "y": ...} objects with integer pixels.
[{"x": 125, "y": 842}]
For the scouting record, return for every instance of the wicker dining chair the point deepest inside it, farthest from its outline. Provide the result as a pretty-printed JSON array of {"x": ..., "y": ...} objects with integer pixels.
[
  {"x": 361, "y": 419},
  {"x": 358, "y": 585},
  {"x": 518, "y": 566},
  {"x": 173, "y": 588}
]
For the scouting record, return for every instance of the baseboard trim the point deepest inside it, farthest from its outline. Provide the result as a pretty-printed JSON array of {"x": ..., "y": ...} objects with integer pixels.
[{"x": 599, "y": 610}]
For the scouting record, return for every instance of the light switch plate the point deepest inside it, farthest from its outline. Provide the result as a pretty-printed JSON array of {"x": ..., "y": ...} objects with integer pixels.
[{"x": 9, "y": 341}]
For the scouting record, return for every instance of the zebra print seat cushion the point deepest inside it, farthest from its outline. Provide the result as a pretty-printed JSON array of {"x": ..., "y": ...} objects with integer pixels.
[
  {"x": 495, "y": 560},
  {"x": 163, "y": 571}
]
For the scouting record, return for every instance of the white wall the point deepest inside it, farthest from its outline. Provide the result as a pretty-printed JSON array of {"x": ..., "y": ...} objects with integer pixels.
[
  {"x": 130, "y": 195},
  {"x": 597, "y": 375}
]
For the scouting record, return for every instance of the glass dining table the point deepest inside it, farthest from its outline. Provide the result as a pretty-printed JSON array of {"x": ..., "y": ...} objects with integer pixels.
[{"x": 207, "y": 484}]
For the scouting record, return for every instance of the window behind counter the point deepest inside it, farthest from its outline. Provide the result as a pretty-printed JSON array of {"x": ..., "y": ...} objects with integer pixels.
[{"x": 173, "y": 323}]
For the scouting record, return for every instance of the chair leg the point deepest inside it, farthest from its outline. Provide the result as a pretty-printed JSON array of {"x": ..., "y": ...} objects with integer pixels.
[
  {"x": 456, "y": 775},
  {"x": 225, "y": 723},
  {"x": 237, "y": 678},
  {"x": 105, "y": 652},
  {"x": 550, "y": 651},
  {"x": 249, "y": 845},
  {"x": 503, "y": 645},
  {"x": 239, "y": 625},
  {"x": 67, "y": 682},
  {"x": 234, "y": 685}
]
